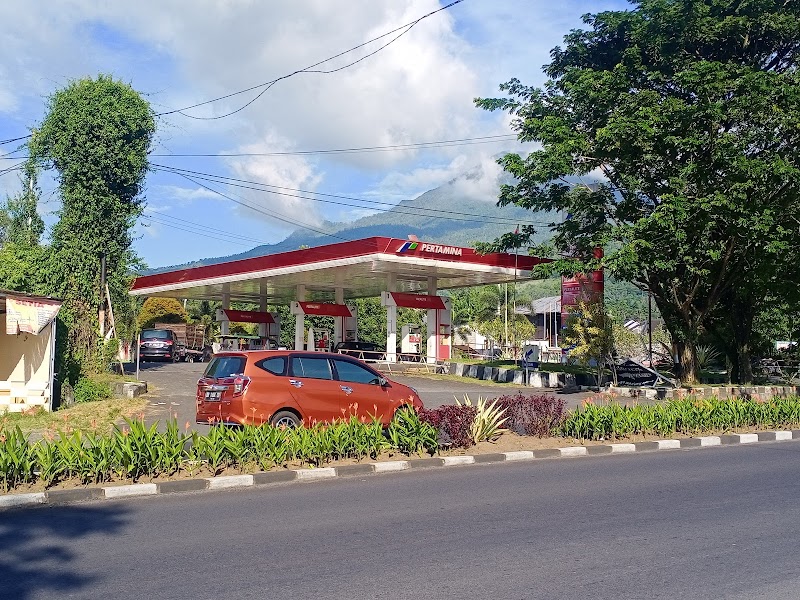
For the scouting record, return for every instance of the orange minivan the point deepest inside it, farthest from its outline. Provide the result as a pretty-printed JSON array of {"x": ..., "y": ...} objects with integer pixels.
[{"x": 290, "y": 388}]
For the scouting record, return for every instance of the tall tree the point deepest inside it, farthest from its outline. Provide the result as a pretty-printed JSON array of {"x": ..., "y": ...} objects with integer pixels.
[
  {"x": 689, "y": 110},
  {"x": 19, "y": 219},
  {"x": 96, "y": 134}
]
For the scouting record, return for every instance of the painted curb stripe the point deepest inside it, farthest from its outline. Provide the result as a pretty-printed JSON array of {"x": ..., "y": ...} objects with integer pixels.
[
  {"x": 450, "y": 461},
  {"x": 783, "y": 435},
  {"x": 574, "y": 451},
  {"x": 668, "y": 444},
  {"x": 22, "y": 499},
  {"x": 323, "y": 473},
  {"x": 710, "y": 440},
  {"x": 748, "y": 438},
  {"x": 615, "y": 448},
  {"x": 392, "y": 465},
  {"x": 519, "y": 455},
  {"x": 126, "y": 491},
  {"x": 229, "y": 481}
]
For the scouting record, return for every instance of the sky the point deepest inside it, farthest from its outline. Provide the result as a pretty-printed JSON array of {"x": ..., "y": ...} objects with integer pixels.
[{"x": 402, "y": 101}]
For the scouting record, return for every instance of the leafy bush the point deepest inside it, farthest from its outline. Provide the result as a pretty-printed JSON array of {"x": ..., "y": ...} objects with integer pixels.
[
  {"x": 488, "y": 422},
  {"x": 91, "y": 390},
  {"x": 134, "y": 450},
  {"x": 684, "y": 415},
  {"x": 410, "y": 433},
  {"x": 537, "y": 415},
  {"x": 17, "y": 458},
  {"x": 454, "y": 424}
]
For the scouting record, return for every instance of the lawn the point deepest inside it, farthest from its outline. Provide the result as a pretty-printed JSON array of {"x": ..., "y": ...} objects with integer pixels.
[{"x": 100, "y": 415}]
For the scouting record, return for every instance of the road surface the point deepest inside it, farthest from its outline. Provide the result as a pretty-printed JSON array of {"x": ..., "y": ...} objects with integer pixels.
[{"x": 710, "y": 523}]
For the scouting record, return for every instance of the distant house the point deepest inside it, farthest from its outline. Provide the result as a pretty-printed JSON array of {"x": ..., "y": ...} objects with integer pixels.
[{"x": 545, "y": 314}]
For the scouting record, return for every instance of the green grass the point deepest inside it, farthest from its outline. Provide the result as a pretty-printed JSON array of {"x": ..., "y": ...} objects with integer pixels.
[{"x": 91, "y": 415}]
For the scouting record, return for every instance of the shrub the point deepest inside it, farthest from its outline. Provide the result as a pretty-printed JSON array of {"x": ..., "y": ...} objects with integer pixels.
[
  {"x": 410, "y": 433},
  {"x": 91, "y": 390},
  {"x": 532, "y": 415},
  {"x": 488, "y": 420},
  {"x": 681, "y": 415},
  {"x": 453, "y": 422}
]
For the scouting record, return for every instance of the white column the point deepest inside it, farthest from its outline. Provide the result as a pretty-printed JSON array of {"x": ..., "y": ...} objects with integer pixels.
[
  {"x": 300, "y": 320},
  {"x": 432, "y": 323},
  {"x": 391, "y": 322},
  {"x": 262, "y": 306},
  {"x": 226, "y": 304},
  {"x": 338, "y": 322}
]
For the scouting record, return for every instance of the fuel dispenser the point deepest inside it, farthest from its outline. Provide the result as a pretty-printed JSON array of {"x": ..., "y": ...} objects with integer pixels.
[{"x": 411, "y": 339}]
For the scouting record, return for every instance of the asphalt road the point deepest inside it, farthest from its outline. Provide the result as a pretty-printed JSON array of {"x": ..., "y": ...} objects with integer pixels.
[
  {"x": 174, "y": 385},
  {"x": 710, "y": 523}
]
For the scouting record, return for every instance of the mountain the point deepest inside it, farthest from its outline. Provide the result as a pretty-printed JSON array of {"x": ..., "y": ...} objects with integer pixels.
[{"x": 455, "y": 213}]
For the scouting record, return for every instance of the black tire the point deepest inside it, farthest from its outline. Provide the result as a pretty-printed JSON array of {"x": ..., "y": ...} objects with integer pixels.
[{"x": 286, "y": 418}]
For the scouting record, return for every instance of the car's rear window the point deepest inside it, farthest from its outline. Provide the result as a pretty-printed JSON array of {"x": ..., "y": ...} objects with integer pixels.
[
  {"x": 156, "y": 334},
  {"x": 225, "y": 366},
  {"x": 275, "y": 365}
]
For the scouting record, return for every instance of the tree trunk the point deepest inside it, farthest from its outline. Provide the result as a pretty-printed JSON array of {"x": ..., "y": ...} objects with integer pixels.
[
  {"x": 741, "y": 318},
  {"x": 687, "y": 368}
]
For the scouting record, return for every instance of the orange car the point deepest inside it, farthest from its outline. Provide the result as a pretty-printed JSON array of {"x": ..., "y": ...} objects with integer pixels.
[{"x": 285, "y": 387}]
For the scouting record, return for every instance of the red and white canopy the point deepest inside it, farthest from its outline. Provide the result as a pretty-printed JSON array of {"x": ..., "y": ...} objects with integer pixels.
[{"x": 362, "y": 268}]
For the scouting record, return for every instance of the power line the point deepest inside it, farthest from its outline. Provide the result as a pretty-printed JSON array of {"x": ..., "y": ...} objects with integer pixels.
[
  {"x": 309, "y": 69},
  {"x": 390, "y": 148},
  {"x": 368, "y": 204},
  {"x": 262, "y": 211},
  {"x": 8, "y": 141},
  {"x": 487, "y": 139},
  {"x": 200, "y": 227},
  {"x": 195, "y": 231},
  {"x": 16, "y": 167}
]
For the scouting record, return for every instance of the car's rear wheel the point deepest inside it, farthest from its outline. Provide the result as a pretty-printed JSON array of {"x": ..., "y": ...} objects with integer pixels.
[{"x": 285, "y": 418}]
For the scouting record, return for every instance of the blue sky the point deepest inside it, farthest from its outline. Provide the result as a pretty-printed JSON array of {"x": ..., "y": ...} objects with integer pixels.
[{"x": 418, "y": 89}]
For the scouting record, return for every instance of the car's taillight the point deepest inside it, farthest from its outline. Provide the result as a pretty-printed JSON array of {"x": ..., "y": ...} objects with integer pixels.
[
  {"x": 168, "y": 342},
  {"x": 240, "y": 384}
]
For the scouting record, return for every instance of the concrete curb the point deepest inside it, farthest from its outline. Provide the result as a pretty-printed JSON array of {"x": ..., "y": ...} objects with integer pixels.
[{"x": 269, "y": 478}]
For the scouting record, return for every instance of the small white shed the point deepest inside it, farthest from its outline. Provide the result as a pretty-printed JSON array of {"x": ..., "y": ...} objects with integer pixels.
[{"x": 27, "y": 351}]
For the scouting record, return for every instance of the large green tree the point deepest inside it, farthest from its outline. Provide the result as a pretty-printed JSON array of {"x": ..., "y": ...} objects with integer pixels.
[
  {"x": 96, "y": 135},
  {"x": 689, "y": 111}
]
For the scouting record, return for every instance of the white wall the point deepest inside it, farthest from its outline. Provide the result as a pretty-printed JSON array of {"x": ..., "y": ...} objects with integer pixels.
[{"x": 24, "y": 369}]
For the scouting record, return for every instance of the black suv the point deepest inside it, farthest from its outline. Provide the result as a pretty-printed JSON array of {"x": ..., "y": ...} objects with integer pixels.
[
  {"x": 362, "y": 350},
  {"x": 159, "y": 344}
]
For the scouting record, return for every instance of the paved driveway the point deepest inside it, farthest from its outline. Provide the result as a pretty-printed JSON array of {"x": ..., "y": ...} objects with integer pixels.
[{"x": 172, "y": 388}]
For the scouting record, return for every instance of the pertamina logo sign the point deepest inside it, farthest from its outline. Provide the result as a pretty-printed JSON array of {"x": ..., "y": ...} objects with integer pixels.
[{"x": 419, "y": 247}]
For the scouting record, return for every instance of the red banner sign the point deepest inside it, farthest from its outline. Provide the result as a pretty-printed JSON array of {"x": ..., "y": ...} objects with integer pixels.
[
  {"x": 326, "y": 309},
  {"x": 417, "y": 301},
  {"x": 248, "y": 316}
]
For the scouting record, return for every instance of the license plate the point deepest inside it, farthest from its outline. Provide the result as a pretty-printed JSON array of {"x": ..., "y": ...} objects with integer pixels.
[{"x": 213, "y": 396}]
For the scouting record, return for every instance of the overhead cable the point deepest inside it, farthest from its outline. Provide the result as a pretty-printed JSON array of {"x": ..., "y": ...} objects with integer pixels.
[
  {"x": 309, "y": 69},
  {"x": 365, "y": 204}
]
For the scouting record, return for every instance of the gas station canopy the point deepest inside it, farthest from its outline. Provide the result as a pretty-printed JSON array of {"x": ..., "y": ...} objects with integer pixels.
[{"x": 360, "y": 269}]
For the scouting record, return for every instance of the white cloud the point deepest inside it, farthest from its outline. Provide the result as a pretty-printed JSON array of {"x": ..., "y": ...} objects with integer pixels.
[
  {"x": 420, "y": 88},
  {"x": 276, "y": 173}
]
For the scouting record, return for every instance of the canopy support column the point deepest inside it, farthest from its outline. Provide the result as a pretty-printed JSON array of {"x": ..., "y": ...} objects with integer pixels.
[
  {"x": 432, "y": 323},
  {"x": 300, "y": 320},
  {"x": 391, "y": 321},
  {"x": 225, "y": 326}
]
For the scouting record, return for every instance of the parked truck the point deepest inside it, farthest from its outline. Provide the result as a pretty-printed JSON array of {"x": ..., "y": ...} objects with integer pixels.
[{"x": 191, "y": 341}]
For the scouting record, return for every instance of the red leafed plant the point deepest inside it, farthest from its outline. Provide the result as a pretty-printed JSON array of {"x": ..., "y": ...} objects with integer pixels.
[
  {"x": 532, "y": 415},
  {"x": 453, "y": 422}
]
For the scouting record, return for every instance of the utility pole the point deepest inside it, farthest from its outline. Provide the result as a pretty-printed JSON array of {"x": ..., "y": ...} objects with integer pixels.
[{"x": 650, "y": 325}]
